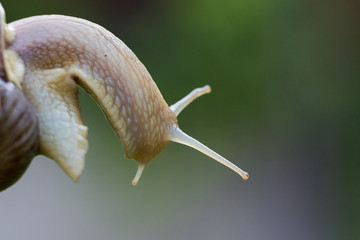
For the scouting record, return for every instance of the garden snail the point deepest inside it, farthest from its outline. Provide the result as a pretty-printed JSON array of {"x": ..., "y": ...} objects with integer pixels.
[{"x": 46, "y": 57}]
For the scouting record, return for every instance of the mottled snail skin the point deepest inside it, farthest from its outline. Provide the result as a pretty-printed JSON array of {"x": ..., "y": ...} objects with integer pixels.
[
  {"x": 48, "y": 56},
  {"x": 19, "y": 134},
  {"x": 59, "y": 52}
]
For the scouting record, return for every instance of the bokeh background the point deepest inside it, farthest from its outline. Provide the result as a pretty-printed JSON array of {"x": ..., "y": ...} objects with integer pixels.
[{"x": 284, "y": 107}]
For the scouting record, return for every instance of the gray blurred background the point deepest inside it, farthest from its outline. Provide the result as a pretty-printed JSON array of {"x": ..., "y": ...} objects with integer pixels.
[{"x": 284, "y": 107}]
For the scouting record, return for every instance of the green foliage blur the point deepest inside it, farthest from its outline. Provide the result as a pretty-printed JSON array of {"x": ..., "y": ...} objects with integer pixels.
[{"x": 284, "y": 106}]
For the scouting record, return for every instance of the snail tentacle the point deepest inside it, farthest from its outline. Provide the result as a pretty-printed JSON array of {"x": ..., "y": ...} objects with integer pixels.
[
  {"x": 185, "y": 101},
  {"x": 180, "y": 137}
]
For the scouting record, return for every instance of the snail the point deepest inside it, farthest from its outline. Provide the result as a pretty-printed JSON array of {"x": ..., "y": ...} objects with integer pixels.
[{"x": 46, "y": 57}]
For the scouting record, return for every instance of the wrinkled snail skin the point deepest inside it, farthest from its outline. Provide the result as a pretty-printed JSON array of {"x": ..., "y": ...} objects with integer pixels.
[
  {"x": 59, "y": 52},
  {"x": 50, "y": 55},
  {"x": 19, "y": 134}
]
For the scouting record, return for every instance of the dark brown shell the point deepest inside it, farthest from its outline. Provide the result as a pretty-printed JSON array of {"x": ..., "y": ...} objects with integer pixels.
[
  {"x": 19, "y": 126},
  {"x": 19, "y": 134}
]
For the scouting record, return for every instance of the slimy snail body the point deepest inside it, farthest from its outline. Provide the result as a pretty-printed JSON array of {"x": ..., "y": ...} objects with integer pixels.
[{"x": 48, "y": 56}]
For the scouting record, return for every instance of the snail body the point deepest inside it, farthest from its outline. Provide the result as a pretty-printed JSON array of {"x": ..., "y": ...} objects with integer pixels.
[{"x": 49, "y": 56}]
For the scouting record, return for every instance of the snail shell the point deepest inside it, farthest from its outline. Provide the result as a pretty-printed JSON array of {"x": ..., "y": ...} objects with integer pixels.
[{"x": 19, "y": 134}]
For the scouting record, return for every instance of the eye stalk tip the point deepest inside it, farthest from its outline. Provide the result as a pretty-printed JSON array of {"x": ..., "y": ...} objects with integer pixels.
[
  {"x": 245, "y": 176},
  {"x": 206, "y": 89}
]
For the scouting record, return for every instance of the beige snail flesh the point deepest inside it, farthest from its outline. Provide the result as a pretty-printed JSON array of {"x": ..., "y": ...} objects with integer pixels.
[{"x": 51, "y": 55}]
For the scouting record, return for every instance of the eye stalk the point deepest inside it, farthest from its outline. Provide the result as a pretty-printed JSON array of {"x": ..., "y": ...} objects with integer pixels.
[
  {"x": 177, "y": 135},
  {"x": 180, "y": 137}
]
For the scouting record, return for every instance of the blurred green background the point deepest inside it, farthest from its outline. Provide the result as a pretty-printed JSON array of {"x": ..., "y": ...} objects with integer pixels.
[{"x": 284, "y": 107}]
